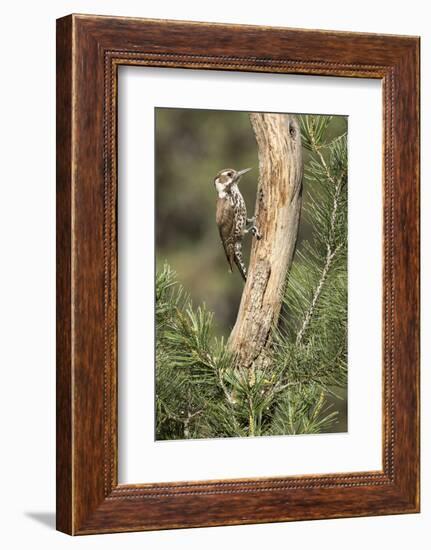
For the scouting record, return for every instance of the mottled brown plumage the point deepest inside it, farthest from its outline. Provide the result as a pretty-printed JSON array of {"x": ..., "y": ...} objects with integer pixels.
[{"x": 231, "y": 217}]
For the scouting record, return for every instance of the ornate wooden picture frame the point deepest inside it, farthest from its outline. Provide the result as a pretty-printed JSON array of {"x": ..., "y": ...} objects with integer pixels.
[{"x": 89, "y": 51}]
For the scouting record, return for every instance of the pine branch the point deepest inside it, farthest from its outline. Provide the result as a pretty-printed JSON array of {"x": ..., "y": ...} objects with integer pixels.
[{"x": 338, "y": 181}]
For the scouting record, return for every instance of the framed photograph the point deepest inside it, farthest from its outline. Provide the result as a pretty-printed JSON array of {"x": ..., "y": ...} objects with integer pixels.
[{"x": 237, "y": 274}]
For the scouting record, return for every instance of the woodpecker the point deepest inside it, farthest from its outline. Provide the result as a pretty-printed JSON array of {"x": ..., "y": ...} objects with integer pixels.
[{"x": 231, "y": 217}]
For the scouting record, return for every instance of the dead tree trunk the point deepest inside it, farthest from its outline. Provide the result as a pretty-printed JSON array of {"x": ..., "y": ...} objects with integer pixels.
[{"x": 278, "y": 208}]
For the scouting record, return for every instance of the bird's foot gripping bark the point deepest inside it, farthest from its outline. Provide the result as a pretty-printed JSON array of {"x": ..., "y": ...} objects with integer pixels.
[
  {"x": 253, "y": 228},
  {"x": 255, "y": 232}
]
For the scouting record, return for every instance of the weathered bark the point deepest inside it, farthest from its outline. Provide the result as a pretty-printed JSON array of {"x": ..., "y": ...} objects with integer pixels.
[{"x": 278, "y": 208}]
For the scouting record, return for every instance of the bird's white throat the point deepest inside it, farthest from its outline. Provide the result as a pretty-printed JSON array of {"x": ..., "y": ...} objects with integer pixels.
[{"x": 220, "y": 189}]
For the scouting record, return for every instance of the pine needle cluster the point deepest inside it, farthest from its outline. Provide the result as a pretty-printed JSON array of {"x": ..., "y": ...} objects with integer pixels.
[{"x": 198, "y": 392}]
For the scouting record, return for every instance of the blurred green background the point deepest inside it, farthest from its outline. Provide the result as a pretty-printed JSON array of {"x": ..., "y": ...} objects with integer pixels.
[{"x": 192, "y": 145}]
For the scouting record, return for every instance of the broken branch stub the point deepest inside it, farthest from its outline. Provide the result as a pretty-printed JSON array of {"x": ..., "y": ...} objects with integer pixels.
[{"x": 277, "y": 211}]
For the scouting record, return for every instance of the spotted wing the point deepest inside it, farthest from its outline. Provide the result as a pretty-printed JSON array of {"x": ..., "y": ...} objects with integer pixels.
[{"x": 225, "y": 221}]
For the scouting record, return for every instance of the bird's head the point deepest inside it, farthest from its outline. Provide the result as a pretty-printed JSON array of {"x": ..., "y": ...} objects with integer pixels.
[{"x": 226, "y": 178}]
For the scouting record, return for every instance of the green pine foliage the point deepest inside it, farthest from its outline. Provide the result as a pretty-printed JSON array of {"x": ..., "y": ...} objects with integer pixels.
[{"x": 198, "y": 392}]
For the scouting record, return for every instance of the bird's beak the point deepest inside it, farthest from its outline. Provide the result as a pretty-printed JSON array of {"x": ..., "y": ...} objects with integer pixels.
[{"x": 242, "y": 172}]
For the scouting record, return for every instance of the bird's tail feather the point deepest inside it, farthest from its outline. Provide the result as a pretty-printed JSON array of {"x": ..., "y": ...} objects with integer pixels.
[{"x": 239, "y": 261}]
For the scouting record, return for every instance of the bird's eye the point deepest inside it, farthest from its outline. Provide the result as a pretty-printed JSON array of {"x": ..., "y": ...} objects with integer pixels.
[{"x": 230, "y": 174}]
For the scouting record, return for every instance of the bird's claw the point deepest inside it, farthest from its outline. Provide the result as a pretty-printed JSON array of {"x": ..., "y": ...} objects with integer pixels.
[{"x": 255, "y": 232}]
